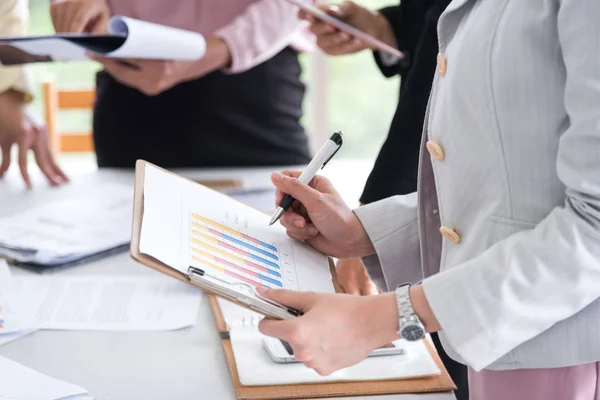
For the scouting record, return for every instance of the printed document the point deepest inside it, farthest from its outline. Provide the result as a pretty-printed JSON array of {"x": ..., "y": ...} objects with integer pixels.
[
  {"x": 16, "y": 319},
  {"x": 186, "y": 224},
  {"x": 109, "y": 303}
]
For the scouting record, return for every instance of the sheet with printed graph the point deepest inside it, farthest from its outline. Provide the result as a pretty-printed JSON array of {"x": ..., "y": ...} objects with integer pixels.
[
  {"x": 188, "y": 225},
  {"x": 237, "y": 255}
]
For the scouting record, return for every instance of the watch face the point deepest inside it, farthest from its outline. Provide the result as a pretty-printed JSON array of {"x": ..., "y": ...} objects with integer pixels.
[{"x": 413, "y": 332}]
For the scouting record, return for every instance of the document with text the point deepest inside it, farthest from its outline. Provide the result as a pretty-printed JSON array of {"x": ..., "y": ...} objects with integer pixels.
[{"x": 109, "y": 303}]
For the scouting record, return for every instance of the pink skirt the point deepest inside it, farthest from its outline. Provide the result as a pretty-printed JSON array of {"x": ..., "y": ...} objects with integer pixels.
[{"x": 580, "y": 382}]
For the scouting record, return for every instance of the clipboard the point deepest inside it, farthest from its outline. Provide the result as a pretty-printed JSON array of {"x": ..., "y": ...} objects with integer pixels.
[{"x": 242, "y": 294}]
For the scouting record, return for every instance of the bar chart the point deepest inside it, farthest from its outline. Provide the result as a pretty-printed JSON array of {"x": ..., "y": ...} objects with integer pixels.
[{"x": 219, "y": 249}]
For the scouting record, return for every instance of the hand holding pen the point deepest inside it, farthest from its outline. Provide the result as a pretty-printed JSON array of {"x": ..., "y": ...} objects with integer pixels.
[
  {"x": 320, "y": 217},
  {"x": 325, "y": 154}
]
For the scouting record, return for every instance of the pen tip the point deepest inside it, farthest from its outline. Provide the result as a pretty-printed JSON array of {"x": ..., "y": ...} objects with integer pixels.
[{"x": 276, "y": 216}]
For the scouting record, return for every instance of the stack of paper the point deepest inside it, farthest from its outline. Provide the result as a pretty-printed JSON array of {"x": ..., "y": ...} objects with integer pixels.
[
  {"x": 16, "y": 320},
  {"x": 18, "y": 382},
  {"x": 71, "y": 230}
]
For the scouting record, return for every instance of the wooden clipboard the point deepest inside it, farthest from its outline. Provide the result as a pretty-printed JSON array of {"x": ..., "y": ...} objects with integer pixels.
[{"x": 437, "y": 383}]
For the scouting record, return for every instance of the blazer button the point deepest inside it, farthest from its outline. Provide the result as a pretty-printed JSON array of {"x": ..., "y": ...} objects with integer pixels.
[
  {"x": 450, "y": 234},
  {"x": 435, "y": 150},
  {"x": 442, "y": 64}
]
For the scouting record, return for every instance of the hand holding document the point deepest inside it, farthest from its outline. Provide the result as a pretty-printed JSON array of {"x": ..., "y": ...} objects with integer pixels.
[
  {"x": 18, "y": 382},
  {"x": 127, "y": 38}
]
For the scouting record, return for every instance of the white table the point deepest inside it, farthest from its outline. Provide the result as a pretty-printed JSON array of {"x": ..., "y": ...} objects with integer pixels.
[{"x": 185, "y": 364}]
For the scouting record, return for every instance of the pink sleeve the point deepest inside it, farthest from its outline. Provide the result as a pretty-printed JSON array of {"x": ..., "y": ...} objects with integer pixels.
[{"x": 263, "y": 30}]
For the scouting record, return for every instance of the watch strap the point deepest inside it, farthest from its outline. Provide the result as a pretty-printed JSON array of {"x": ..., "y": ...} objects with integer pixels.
[{"x": 405, "y": 309}]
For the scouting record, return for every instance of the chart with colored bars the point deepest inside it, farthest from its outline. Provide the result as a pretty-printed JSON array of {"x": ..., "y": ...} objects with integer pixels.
[{"x": 221, "y": 249}]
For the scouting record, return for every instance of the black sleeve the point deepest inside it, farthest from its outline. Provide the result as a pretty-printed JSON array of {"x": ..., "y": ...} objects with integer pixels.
[
  {"x": 396, "y": 167},
  {"x": 407, "y": 21},
  {"x": 395, "y": 170},
  {"x": 394, "y": 17}
]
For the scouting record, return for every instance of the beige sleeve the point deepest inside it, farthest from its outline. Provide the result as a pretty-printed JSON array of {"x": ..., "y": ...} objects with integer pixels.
[{"x": 14, "y": 15}]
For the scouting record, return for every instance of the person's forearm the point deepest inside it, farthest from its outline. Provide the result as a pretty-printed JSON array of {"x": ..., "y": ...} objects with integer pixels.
[
  {"x": 264, "y": 29},
  {"x": 384, "y": 31},
  {"x": 423, "y": 310},
  {"x": 217, "y": 57},
  {"x": 13, "y": 21},
  {"x": 380, "y": 317},
  {"x": 362, "y": 245}
]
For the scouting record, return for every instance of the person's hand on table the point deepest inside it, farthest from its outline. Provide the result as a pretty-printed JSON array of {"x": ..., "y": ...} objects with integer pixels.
[
  {"x": 335, "y": 42},
  {"x": 354, "y": 278},
  {"x": 80, "y": 16},
  {"x": 153, "y": 77},
  {"x": 18, "y": 127},
  {"x": 320, "y": 217}
]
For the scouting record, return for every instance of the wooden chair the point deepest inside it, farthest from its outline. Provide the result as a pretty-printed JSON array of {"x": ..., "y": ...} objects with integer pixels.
[{"x": 56, "y": 100}]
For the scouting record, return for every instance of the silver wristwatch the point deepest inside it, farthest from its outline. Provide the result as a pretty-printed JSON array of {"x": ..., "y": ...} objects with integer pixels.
[{"x": 410, "y": 326}]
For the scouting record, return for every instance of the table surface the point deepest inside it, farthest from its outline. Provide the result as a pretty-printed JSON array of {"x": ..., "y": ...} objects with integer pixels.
[{"x": 184, "y": 364}]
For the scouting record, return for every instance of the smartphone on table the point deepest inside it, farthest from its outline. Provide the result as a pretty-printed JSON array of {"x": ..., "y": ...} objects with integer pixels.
[{"x": 281, "y": 352}]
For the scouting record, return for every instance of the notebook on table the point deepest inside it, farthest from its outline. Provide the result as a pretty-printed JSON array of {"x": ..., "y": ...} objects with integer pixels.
[{"x": 239, "y": 339}]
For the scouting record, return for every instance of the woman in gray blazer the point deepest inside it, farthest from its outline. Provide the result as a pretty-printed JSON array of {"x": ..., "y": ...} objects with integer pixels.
[{"x": 504, "y": 234}]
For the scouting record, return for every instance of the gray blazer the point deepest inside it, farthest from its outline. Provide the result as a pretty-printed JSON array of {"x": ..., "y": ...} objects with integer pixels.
[{"x": 510, "y": 173}]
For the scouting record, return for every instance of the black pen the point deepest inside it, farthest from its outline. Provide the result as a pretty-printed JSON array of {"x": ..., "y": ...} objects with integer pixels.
[{"x": 318, "y": 162}]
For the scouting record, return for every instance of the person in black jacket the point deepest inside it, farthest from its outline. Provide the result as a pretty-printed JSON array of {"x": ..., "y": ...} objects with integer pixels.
[{"x": 412, "y": 28}]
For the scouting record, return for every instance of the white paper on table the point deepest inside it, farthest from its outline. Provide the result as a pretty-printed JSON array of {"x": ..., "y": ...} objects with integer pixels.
[
  {"x": 127, "y": 38},
  {"x": 18, "y": 382},
  {"x": 16, "y": 319},
  {"x": 167, "y": 225},
  {"x": 255, "y": 368},
  {"x": 110, "y": 303},
  {"x": 6, "y": 338},
  {"x": 96, "y": 221}
]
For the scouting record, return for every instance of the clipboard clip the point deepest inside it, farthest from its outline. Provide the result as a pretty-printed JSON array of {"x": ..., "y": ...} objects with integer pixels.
[{"x": 194, "y": 271}]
